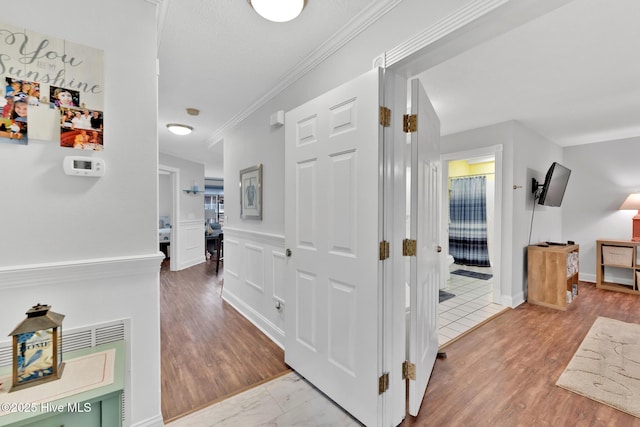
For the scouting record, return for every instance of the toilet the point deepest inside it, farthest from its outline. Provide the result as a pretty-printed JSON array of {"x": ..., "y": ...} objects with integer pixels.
[{"x": 447, "y": 271}]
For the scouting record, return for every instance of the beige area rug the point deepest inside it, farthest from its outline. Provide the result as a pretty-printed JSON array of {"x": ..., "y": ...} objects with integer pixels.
[{"x": 606, "y": 366}]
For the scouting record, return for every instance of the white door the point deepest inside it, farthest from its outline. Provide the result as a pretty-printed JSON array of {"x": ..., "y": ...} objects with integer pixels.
[
  {"x": 332, "y": 231},
  {"x": 425, "y": 265}
]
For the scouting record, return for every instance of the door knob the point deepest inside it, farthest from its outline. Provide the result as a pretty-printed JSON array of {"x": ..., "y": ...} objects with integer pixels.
[
  {"x": 439, "y": 248},
  {"x": 288, "y": 252}
]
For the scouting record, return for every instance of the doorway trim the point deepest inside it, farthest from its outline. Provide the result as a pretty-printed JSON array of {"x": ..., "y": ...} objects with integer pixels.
[
  {"x": 496, "y": 152},
  {"x": 174, "y": 178}
]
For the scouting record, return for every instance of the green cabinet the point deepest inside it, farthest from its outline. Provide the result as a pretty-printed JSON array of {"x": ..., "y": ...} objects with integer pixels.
[{"x": 99, "y": 407}]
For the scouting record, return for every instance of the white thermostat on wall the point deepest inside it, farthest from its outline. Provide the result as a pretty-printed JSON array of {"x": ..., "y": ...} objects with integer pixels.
[{"x": 83, "y": 166}]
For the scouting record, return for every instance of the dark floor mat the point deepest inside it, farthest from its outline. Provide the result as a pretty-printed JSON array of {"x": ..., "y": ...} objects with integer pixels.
[
  {"x": 444, "y": 295},
  {"x": 474, "y": 274}
]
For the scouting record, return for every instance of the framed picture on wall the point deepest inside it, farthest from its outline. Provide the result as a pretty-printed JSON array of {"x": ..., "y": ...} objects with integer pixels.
[{"x": 251, "y": 192}]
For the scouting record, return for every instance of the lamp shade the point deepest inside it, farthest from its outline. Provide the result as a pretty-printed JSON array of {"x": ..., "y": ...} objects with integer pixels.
[
  {"x": 278, "y": 10},
  {"x": 632, "y": 202}
]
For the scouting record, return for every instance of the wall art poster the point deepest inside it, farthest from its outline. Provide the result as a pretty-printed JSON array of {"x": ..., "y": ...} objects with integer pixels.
[{"x": 51, "y": 90}]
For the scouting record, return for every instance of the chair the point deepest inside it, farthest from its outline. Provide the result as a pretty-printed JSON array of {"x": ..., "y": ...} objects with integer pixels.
[{"x": 219, "y": 251}]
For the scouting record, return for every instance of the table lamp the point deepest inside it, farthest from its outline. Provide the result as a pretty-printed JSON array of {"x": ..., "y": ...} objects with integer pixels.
[{"x": 633, "y": 203}]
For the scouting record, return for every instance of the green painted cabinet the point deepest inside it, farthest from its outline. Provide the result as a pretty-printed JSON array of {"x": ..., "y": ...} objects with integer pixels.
[{"x": 100, "y": 407}]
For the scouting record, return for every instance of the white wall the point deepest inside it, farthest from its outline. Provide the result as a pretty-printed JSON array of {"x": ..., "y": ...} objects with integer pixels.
[
  {"x": 533, "y": 154},
  {"x": 525, "y": 155},
  {"x": 89, "y": 246},
  {"x": 602, "y": 176},
  {"x": 187, "y": 235}
]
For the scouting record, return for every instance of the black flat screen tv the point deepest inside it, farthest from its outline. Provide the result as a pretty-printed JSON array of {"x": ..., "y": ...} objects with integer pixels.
[{"x": 555, "y": 183}]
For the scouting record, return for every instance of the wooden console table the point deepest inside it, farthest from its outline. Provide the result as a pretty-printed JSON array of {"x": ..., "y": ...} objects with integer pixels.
[{"x": 618, "y": 256}]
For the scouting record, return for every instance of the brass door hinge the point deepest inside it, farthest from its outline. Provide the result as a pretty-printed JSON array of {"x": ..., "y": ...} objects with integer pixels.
[
  {"x": 383, "y": 383},
  {"x": 409, "y": 123},
  {"x": 409, "y": 247},
  {"x": 384, "y": 250},
  {"x": 385, "y": 117},
  {"x": 408, "y": 370}
]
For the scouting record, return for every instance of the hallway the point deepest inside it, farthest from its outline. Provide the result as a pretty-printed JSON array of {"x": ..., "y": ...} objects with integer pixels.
[{"x": 208, "y": 350}]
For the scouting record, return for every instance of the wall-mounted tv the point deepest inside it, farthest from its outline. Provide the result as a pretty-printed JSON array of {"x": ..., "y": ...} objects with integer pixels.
[{"x": 555, "y": 183}]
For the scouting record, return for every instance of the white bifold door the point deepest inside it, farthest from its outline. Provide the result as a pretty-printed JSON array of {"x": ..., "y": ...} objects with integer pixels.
[
  {"x": 335, "y": 308},
  {"x": 424, "y": 224}
]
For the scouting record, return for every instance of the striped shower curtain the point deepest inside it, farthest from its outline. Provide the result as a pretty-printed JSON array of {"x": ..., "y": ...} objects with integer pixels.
[{"x": 468, "y": 221}]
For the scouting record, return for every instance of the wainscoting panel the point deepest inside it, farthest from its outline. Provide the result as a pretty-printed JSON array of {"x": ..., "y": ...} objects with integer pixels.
[
  {"x": 255, "y": 266},
  {"x": 279, "y": 268},
  {"x": 192, "y": 243},
  {"x": 231, "y": 257},
  {"x": 254, "y": 284}
]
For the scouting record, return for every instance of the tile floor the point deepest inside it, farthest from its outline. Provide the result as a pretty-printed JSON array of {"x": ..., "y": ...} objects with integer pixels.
[
  {"x": 285, "y": 401},
  {"x": 472, "y": 304},
  {"x": 291, "y": 401}
]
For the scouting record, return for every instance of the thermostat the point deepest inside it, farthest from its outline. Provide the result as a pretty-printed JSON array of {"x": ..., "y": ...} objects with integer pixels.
[{"x": 83, "y": 166}]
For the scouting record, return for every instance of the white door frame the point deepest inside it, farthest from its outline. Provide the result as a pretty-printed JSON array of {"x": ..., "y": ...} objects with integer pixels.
[
  {"x": 174, "y": 178},
  {"x": 495, "y": 151}
]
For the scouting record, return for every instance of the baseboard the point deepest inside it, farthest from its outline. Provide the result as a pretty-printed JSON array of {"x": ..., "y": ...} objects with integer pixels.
[
  {"x": 150, "y": 422},
  {"x": 512, "y": 301},
  {"x": 587, "y": 277},
  {"x": 274, "y": 333}
]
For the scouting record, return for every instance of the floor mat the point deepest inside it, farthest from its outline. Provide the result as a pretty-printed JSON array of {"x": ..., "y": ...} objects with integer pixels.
[
  {"x": 444, "y": 295},
  {"x": 474, "y": 274}
]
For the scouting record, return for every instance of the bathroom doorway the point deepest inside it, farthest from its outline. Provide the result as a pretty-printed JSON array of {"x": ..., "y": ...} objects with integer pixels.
[{"x": 470, "y": 291}]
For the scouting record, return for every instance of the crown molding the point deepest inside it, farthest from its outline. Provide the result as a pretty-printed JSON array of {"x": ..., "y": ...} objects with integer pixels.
[{"x": 348, "y": 32}]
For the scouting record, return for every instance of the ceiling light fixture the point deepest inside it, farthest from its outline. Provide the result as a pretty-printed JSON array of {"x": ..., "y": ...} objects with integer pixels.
[
  {"x": 179, "y": 129},
  {"x": 278, "y": 10}
]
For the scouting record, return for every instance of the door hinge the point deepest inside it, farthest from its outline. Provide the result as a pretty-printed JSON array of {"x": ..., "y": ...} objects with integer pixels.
[
  {"x": 409, "y": 247},
  {"x": 408, "y": 370},
  {"x": 383, "y": 383},
  {"x": 409, "y": 123},
  {"x": 384, "y": 250},
  {"x": 385, "y": 117}
]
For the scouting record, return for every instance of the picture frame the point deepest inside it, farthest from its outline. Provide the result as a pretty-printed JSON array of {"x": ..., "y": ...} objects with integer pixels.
[{"x": 251, "y": 192}]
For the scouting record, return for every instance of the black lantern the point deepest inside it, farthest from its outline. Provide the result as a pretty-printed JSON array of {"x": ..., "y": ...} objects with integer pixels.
[{"x": 37, "y": 355}]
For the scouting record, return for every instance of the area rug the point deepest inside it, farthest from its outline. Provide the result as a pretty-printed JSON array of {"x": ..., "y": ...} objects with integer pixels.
[
  {"x": 606, "y": 366},
  {"x": 474, "y": 274},
  {"x": 444, "y": 295}
]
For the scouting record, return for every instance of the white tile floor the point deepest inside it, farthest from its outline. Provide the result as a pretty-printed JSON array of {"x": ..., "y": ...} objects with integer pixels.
[
  {"x": 285, "y": 401},
  {"x": 472, "y": 304},
  {"x": 291, "y": 401}
]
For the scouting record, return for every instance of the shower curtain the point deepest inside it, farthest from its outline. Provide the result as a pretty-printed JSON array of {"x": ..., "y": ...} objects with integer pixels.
[{"x": 468, "y": 221}]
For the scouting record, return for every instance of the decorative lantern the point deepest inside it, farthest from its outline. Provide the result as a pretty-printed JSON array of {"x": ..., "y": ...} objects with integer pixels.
[{"x": 37, "y": 355}]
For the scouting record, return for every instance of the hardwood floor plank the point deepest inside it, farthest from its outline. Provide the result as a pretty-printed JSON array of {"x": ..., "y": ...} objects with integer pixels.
[
  {"x": 504, "y": 373},
  {"x": 209, "y": 351}
]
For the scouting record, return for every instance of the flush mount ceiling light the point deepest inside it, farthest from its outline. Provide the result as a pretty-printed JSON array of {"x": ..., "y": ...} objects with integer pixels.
[
  {"x": 278, "y": 10},
  {"x": 179, "y": 129}
]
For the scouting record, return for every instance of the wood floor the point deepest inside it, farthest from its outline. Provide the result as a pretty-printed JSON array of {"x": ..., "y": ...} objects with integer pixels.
[
  {"x": 209, "y": 351},
  {"x": 504, "y": 373},
  {"x": 501, "y": 374}
]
